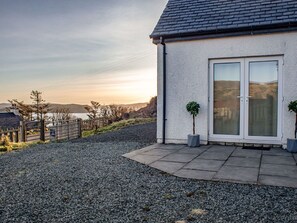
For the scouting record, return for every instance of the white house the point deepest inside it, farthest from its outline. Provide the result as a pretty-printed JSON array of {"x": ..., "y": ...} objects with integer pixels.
[{"x": 237, "y": 59}]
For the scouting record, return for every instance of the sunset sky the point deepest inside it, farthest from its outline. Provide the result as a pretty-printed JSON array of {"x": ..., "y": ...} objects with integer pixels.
[{"x": 75, "y": 51}]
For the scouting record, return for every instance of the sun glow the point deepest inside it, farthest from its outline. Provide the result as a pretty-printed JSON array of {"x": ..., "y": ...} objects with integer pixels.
[{"x": 122, "y": 87}]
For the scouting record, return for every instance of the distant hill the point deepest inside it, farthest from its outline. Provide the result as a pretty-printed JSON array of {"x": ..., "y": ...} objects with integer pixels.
[
  {"x": 74, "y": 108},
  {"x": 135, "y": 106},
  {"x": 3, "y": 106},
  {"x": 149, "y": 111},
  {"x": 77, "y": 108}
]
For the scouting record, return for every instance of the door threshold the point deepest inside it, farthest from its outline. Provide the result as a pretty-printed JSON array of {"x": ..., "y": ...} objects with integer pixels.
[{"x": 246, "y": 145}]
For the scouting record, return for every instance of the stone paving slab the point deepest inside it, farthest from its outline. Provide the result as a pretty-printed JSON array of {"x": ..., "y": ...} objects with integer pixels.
[
  {"x": 215, "y": 155},
  {"x": 243, "y": 162},
  {"x": 192, "y": 150},
  {"x": 158, "y": 152},
  {"x": 170, "y": 147},
  {"x": 279, "y": 170},
  {"x": 169, "y": 167},
  {"x": 234, "y": 173},
  {"x": 202, "y": 164},
  {"x": 216, "y": 148},
  {"x": 239, "y": 152},
  {"x": 295, "y": 157},
  {"x": 275, "y": 167},
  {"x": 139, "y": 151},
  {"x": 195, "y": 174},
  {"x": 178, "y": 157},
  {"x": 277, "y": 152},
  {"x": 145, "y": 159},
  {"x": 286, "y": 160},
  {"x": 278, "y": 181}
]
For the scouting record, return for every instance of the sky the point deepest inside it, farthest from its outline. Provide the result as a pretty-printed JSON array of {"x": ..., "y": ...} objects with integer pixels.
[{"x": 75, "y": 51}]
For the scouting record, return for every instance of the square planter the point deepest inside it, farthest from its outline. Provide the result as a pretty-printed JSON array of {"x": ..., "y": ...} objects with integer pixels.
[
  {"x": 193, "y": 140},
  {"x": 292, "y": 145}
]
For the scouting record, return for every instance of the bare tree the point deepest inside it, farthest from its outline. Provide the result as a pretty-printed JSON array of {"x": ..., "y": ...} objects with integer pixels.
[
  {"x": 104, "y": 111},
  {"x": 25, "y": 111},
  {"x": 61, "y": 114},
  {"x": 116, "y": 112},
  {"x": 93, "y": 110},
  {"x": 39, "y": 106}
]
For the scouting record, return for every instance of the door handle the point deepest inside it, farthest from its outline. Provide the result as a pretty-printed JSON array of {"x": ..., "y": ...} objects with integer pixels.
[
  {"x": 241, "y": 98},
  {"x": 247, "y": 98}
]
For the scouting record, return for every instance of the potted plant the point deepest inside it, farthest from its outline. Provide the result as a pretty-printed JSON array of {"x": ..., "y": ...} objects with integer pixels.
[
  {"x": 193, "y": 108},
  {"x": 292, "y": 143}
]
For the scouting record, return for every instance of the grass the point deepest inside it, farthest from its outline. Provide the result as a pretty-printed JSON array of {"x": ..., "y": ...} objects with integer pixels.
[
  {"x": 18, "y": 146},
  {"x": 118, "y": 125},
  {"x": 110, "y": 128}
]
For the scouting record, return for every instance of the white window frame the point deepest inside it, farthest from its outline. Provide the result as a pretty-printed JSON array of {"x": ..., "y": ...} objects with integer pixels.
[{"x": 244, "y": 87}]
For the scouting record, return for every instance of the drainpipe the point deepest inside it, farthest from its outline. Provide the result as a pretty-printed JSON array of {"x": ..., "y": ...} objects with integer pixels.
[{"x": 164, "y": 90}]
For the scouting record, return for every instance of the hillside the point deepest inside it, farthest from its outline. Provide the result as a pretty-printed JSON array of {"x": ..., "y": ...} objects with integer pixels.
[
  {"x": 3, "y": 106},
  {"x": 149, "y": 111},
  {"x": 77, "y": 108},
  {"x": 74, "y": 108}
]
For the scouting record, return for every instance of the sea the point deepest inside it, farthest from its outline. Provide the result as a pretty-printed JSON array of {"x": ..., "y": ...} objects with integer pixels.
[{"x": 83, "y": 116}]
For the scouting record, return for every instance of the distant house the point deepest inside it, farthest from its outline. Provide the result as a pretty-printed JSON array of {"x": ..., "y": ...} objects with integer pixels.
[
  {"x": 9, "y": 120},
  {"x": 238, "y": 59}
]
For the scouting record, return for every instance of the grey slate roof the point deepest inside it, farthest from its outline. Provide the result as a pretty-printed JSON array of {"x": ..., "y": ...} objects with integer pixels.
[
  {"x": 182, "y": 17},
  {"x": 9, "y": 120}
]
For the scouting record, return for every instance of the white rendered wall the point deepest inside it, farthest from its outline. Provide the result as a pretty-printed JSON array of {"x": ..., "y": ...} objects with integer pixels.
[{"x": 188, "y": 74}]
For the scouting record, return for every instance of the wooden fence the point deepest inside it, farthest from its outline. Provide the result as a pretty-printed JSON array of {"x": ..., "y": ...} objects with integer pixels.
[
  {"x": 13, "y": 134},
  {"x": 94, "y": 123},
  {"x": 66, "y": 130},
  {"x": 33, "y": 131}
]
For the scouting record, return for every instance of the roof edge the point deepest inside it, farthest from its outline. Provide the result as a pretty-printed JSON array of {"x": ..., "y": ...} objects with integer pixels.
[{"x": 219, "y": 33}]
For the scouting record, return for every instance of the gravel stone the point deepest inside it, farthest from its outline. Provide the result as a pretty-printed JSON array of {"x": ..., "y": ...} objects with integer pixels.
[{"x": 87, "y": 180}]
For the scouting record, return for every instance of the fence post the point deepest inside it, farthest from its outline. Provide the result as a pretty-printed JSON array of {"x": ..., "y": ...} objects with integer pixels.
[
  {"x": 23, "y": 131},
  {"x": 57, "y": 130},
  {"x": 16, "y": 136},
  {"x": 11, "y": 136},
  {"x": 79, "y": 123},
  {"x": 68, "y": 129},
  {"x": 42, "y": 130}
]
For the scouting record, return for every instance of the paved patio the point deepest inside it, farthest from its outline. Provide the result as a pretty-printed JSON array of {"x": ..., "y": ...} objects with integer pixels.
[{"x": 275, "y": 167}]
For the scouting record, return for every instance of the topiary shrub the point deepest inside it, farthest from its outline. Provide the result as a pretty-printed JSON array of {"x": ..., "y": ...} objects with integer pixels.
[
  {"x": 193, "y": 108},
  {"x": 293, "y": 108}
]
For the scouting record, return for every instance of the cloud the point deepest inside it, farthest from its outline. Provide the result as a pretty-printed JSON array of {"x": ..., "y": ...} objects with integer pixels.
[{"x": 49, "y": 43}]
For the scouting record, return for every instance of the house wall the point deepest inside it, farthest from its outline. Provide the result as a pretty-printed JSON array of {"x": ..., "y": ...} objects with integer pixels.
[{"x": 188, "y": 74}]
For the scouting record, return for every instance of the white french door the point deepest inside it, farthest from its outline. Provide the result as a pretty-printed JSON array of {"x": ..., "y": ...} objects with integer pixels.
[{"x": 245, "y": 99}]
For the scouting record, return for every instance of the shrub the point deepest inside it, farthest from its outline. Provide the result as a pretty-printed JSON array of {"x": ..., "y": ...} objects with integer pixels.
[
  {"x": 293, "y": 108},
  {"x": 193, "y": 108},
  {"x": 5, "y": 142}
]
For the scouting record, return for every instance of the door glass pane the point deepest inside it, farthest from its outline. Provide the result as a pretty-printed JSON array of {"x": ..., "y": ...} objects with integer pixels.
[
  {"x": 226, "y": 101},
  {"x": 263, "y": 98}
]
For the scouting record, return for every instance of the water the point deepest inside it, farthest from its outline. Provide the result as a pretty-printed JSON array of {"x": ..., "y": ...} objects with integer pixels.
[{"x": 83, "y": 116}]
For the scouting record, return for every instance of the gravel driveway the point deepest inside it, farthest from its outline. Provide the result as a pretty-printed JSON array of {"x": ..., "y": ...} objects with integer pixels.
[{"x": 87, "y": 180}]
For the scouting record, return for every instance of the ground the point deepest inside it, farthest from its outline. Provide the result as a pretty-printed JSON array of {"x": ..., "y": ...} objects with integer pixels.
[{"x": 88, "y": 180}]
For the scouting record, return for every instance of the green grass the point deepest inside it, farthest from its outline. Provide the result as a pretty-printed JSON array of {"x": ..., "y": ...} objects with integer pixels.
[{"x": 118, "y": 125}]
